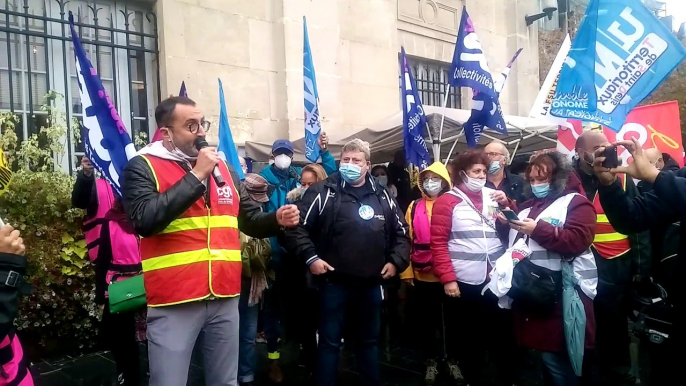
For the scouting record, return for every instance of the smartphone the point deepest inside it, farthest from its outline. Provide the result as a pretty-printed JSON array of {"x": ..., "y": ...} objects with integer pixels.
[
  {"x": 510, "y": 215},
  {"x": 611, "y": 159}
]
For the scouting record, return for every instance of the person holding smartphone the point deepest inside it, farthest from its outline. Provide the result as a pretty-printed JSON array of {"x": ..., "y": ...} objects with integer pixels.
[
  {"x": 664, "y": 205},
  {"x": 557, "y": 224},
  {"x": 464, "y": 248},
  {"x": 617, "y": 256}
]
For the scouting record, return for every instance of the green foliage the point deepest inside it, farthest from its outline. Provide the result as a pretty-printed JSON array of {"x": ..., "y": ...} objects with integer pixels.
[
  {"x": 140, "y": 140},
  {"x": 61, "y": 313}
]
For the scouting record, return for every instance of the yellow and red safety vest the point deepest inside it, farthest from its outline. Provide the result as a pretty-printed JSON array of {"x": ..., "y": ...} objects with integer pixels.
[
  {"x": 198, "y": 254},
  {"x": 608, "y": 242}
]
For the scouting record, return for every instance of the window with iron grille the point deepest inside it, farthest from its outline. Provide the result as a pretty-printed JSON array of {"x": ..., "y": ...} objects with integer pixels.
[
  {"x": 37, "y": 55},
  {"x": 432, "y": 78}
]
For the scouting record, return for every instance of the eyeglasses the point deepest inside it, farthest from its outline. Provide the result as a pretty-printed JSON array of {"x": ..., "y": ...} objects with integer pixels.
[
  {"x": 433, "y": 179},
  {"x": 194, "y": 127},
  {"x": 494, "y": 154}
]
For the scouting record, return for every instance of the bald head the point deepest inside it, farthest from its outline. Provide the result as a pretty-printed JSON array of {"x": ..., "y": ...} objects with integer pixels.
[
  {"x": 590, "y": 141},
  {"x": 586, "y": 145},
  {"x": 655, "y": 157}
]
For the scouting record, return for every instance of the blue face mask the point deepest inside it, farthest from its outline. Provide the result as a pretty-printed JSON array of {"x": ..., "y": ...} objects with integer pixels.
[
  {"x": 540, "y": 191},
  {"x": 351, "y": 173},
  {"x": 494, "y": 167}
]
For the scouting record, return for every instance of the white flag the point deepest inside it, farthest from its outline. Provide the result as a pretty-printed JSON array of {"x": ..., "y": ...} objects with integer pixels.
[{"x": 541, "y": 107}]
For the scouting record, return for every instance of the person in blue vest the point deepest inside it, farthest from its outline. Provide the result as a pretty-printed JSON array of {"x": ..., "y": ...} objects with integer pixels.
[{"x": 282, "y": 178}]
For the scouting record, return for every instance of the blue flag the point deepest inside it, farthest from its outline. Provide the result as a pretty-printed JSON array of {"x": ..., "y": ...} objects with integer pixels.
[
  {"x": 486, "y": 111},
  {"x": 108, "y": 144},
  {"x": 469, "y": 67},
  {"x": 313, "y": 127},
  {"x": 621, "y": 53},
  {"x": 414, "y": 119},
  {"x": 226, "y": 148},
  {"x": 183, "y": 92}
]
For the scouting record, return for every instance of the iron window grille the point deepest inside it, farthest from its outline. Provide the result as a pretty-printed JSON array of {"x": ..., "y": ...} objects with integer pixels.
[
  {"x": 432, "y": 78},
  {"x": 37, "y": 55}
]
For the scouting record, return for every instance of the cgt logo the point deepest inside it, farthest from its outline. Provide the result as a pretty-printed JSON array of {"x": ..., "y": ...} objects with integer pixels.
[{"x": 225, "y": 194}]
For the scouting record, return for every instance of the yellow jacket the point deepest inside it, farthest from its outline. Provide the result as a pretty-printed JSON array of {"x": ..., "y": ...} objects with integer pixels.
[{"x": 439, "y": 169}]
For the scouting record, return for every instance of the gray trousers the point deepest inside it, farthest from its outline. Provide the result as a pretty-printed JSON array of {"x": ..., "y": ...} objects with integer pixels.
[{"x": 173, "y": 330}]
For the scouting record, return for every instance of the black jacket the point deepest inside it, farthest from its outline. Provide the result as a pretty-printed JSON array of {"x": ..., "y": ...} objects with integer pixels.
[
  {"x": 85, "y": 196},
  {"x": 512, "y": 186},
  {"x": 331, "y": 229},
  {"x": 12, "y": 287},
  {"x": 665, "y": 205},
  {"x": 150, "y": 211},
  {"x": 664, "y": 240}
]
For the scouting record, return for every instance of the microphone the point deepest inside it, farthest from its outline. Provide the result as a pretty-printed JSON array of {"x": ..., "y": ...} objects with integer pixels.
[{"x": 201, "y": 143}]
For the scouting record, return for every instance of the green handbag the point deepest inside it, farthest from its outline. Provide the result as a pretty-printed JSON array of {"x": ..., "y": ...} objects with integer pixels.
[{"x": 127, "y": 295}]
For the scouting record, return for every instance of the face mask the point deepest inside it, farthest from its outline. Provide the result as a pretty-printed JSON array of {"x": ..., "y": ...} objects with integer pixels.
[
  {"x": 282, "y": 161},
  {"x": 351, "y": 173},
  {"x": 382, "y": 180},
  {"x": 541, "y": 190},
  {"x": 432, "y": 188},
  {"x": 179, "y": 153},
  {"x": 473, "y": 184},
  {"x": 245, "y": 171},
  {"x": 494, "y": 167},
  {"x": 302, "y": 191}
]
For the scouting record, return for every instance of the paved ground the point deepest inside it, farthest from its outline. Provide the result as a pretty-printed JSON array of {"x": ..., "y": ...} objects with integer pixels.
[{"x": 399, "y": 366}]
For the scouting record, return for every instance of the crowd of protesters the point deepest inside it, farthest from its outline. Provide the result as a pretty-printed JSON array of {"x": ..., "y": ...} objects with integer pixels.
[{"x": 312, "y": 254}]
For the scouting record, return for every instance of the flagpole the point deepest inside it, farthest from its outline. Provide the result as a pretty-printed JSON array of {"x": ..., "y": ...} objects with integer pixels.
[
  {"x": 437, "y": 145},
  {"x": 453, "y": 148},
  {"x": 428, "y": 130}
]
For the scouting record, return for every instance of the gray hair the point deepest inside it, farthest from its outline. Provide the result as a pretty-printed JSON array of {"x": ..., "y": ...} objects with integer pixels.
[
  {"x": 357, "y": 145},
  {"x": 505, "y": 151}
]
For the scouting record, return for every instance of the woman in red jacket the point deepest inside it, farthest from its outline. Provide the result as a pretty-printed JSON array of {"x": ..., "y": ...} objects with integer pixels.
[
  {"x": 559, "y": 224},
  {"x": 465, "y": 245}
]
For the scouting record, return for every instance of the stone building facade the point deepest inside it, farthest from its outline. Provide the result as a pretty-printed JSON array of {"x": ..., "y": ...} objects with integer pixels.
[
  {"x": 144, "y": 49},
  {"x": 256, "y": 48}
]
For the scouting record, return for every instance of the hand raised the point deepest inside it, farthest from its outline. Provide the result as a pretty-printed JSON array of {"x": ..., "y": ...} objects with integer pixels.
[
  {"x": 207, "y": 160},
  {"x": 10, "y": 241}
]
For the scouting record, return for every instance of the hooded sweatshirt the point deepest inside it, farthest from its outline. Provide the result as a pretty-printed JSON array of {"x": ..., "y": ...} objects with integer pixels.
[
  {"x": 281, "y": 182},
  {"x": 439, "y": 169}
]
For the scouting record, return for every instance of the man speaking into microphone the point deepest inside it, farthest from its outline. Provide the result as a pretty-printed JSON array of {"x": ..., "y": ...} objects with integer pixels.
[{"x": 190, "y": 248}]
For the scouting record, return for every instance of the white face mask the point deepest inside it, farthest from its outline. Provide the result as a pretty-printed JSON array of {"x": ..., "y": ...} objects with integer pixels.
[
  {"x": 282, "y": 161},
  {"x": 432, "y": 188},
  {"x": 473, "y": 184},
  {"x": 179, "y": 153}
]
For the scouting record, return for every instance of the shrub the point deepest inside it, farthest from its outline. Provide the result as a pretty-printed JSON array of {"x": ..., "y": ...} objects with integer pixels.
[{"x": 60, "y": 316}]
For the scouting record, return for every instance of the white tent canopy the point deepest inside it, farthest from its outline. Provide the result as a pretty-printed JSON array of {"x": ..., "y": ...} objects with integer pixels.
[{"x": 386, "y": 136}]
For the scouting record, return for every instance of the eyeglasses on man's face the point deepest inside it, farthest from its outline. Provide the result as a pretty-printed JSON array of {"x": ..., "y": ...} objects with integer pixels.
[{"x": 194, "y": 127}]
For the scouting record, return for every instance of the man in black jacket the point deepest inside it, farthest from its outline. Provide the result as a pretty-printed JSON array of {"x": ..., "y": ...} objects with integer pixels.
[
  {"x": 665, "y": 205},
  {"x": 210, "y": 303},
  {"x": 499, "y": 177},
  {"x": 352, "y": 235},
  {"x": 664, "y": 240}
]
